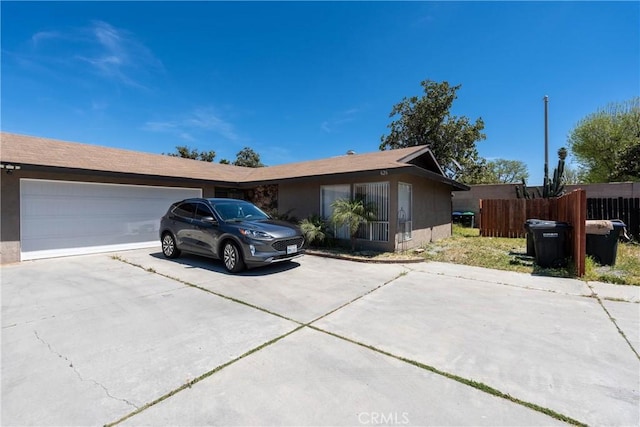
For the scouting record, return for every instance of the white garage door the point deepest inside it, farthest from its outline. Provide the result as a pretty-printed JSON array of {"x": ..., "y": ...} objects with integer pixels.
[{"x": 69, "y": 218}]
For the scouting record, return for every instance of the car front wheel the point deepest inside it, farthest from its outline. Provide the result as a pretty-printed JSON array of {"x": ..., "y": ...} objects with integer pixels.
[
  {"x": 169, "y": 248},
  {"x": 232, "y": 258}
]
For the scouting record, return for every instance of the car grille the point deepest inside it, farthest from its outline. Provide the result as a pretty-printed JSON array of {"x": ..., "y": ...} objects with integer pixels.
[{"x": 281, "y": 245}]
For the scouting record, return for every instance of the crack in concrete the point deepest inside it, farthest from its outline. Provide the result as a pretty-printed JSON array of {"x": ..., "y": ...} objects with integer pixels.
[
  {"x": 75, "y": 370},
  {"x": 613, "y": 320}
]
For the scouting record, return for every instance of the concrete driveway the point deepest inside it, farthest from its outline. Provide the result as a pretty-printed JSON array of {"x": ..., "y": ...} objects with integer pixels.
[{"x": 134, "y": 339}]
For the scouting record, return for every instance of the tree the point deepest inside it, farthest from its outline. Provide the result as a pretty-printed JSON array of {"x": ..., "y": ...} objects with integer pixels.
[
  {"x": 502, "y": 171},
  {"x": 628, "y": 168},
  {"x": 428, "y": 121},
  {"x": 248, "y": 158},
  {"x": 225, "y": 162},
  {"x": 193, "y": 153},
  {"x": 572, "y": 176},
  {"x": 603, "y": 142},
  {"x": 352, "y": 213}
]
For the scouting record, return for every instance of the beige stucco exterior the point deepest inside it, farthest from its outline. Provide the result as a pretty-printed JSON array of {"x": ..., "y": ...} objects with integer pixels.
[{"x": 431, "y": 216}]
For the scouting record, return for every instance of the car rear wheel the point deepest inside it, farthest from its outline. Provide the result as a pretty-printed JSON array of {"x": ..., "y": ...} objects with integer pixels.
[
  {"x": 169, "y": 248},
  {"x": 232, "y": 258}
]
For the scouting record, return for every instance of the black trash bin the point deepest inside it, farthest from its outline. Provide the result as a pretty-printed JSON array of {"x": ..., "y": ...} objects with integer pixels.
[
  {"x": 551, "y": 241},
  {"x": 531, "y": 249},
  {"x": 468, "y": 219},
  {"x": 602, "y": 240},
  {"x": 456, "y": 217}
]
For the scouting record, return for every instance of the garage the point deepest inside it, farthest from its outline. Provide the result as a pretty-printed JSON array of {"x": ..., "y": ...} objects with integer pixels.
[{"x": 59, "y": 218}]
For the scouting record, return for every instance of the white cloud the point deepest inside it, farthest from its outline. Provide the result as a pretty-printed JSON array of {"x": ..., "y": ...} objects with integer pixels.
[
  {"x": 337, "y": 120},
  {"x": 114, "y": 53},
  {"x": 209, "y": 120},
  {"x": 43, "y": 36},
  {"x": 197, "y": 121},
  {"x": 119, "y": 55}
]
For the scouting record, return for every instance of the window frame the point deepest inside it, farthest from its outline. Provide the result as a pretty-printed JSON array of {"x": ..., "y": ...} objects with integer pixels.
[{"x": 405, "y": 234}]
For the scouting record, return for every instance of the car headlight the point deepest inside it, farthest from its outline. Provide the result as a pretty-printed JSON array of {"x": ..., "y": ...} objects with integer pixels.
[{"x": 255, "y": 234}]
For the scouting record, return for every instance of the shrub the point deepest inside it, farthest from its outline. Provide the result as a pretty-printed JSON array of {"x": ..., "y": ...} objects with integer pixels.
[{"x": 314, "y": 229}]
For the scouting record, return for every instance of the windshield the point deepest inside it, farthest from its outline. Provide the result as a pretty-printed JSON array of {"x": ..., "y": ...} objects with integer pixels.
[{"x": 239, "y": 211}]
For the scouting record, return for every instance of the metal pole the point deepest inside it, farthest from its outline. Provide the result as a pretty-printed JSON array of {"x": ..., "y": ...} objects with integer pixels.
[{"x": 546, "y": 139}]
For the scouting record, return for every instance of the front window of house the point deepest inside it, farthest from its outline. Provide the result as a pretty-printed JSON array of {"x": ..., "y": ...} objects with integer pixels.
[
  {"x": 328, "y": 195},
  {"x": 377, "y": 194}
]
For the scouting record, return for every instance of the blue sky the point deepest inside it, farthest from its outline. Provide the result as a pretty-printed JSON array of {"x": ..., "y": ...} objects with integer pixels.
[{"x": 300, "y": 81}]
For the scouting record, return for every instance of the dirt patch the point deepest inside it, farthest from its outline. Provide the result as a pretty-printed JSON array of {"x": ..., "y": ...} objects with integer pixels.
[{"x": 368, "y": 256}]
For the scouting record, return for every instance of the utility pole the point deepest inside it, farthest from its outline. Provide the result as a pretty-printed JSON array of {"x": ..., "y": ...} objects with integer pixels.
[{"x": 546, "y": 141}]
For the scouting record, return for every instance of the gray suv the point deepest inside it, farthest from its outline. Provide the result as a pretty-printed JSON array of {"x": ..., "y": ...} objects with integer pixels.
[{"x": 235, "y": 231}]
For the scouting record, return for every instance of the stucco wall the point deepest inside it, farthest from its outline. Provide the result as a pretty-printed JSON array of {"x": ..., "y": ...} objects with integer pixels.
[
  {"x": 10, "y": 201},
  {"x": 431, "y": 207},
  {"x": 10, "y": 217},
  {"x": 431, "y": 203},
  {"x": 431, "y": 212},
  {"x": 299, "y": 200}
]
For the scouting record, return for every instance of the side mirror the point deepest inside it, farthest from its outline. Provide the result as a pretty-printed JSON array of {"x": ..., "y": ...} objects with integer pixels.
[{"x": 210, "y": 220}]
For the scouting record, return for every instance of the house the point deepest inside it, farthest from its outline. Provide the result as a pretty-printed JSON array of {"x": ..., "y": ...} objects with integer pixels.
[{"x": 62, "y": 198}]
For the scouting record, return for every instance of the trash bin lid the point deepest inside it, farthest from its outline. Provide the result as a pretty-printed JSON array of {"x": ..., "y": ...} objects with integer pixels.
[
  {"x": 468, "y": 213},
  {"x": 456, "y": 213},
  {"x": 549, "y": 225},
  {"x": 598, "y": 226},
  {"x": 530, "y": 221},
  {"x": 618, "y": 223},
  {"x": 548, "y": 222}
]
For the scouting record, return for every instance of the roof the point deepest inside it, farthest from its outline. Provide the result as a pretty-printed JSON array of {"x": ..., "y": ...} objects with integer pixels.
[
  {"x": 44, "y": 152},
  {"x": 348, "y": 163},
  {"x": 31, "y": 150}
]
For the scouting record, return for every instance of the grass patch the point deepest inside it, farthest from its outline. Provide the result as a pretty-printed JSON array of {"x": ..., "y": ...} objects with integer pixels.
[
  {"x": 625, "y": 272},
  {"x": 467, "y": 247}
]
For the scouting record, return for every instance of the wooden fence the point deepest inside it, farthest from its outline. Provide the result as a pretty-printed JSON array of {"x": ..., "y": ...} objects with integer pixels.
[
  {"x": 506, "y": 218},
  {"x": 625, "y": 209}
]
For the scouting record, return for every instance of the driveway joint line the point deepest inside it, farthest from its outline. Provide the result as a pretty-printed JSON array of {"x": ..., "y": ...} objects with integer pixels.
[
  {"x": 468, "y": 382},
  {"x": 613, "y": 320},
  {"x": 370, "y": 291},
  {"x": 207, "y": 374},
  {"x": 191, "y": 285},
  {"x": 507, "y": 284},
  {"x": 75, "y": 370}
]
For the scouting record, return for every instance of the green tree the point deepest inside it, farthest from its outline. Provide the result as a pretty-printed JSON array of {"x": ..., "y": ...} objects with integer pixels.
[
  {"x": 572, "y": 176},
  {"x": 628, "y": 168},
  {"x": 428, "y": 121},
  {"x": 352, "y": 213},
  {"x": 248, "y": 158},
  {"x": 225, "y": 162},
  {"x": 502, "y": 171},
  {"x": 193, "y": 153},
  {"x": 603, "y": 142}
]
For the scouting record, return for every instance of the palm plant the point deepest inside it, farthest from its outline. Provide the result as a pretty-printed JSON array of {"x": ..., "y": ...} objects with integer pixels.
[
  {"x": 352, "y": 213},
  {"x": 313, "y": 229}
]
